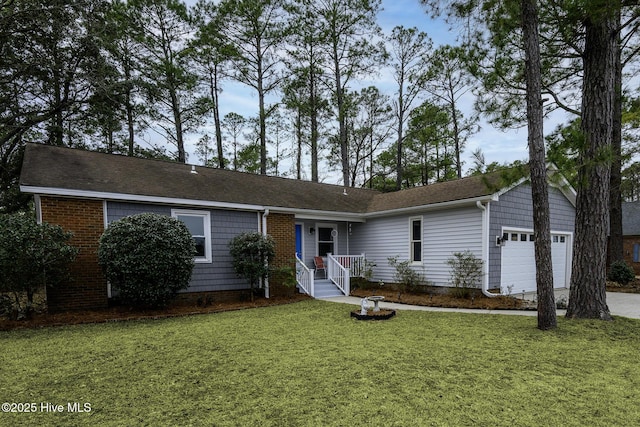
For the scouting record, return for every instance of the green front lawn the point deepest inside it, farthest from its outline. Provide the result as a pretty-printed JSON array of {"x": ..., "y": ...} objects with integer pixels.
[{"x": 310, "y": 364}]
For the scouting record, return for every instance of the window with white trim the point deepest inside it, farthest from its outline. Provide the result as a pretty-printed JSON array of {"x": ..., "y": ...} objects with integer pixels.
[
  {"x": 415, "y": 233},
  {"x": 199, "y": 224},
  {"x": 326, "y": 239}
]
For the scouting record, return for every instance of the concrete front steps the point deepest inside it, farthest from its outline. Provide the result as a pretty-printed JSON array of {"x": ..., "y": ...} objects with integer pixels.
[{"x": 325, "y": 288}]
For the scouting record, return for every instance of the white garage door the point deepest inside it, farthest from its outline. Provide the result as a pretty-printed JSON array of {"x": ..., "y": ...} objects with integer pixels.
[{"x": 518, "y": 261}]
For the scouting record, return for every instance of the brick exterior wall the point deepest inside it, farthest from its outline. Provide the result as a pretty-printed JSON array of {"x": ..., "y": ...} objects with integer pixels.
[
  {"x": 627, "y": 251},
  {"x": 282, "y": 227},
  {"x": 88, "y": 287}
]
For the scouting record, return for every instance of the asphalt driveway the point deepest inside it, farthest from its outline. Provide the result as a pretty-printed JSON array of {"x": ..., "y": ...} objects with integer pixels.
[{"x": 621, "y": 304}]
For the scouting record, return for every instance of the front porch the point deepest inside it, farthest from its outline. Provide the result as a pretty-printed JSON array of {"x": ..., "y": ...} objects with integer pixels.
[{"x": 339, "y": 271}]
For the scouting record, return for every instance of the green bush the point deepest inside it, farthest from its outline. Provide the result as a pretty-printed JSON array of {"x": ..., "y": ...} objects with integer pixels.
[
  {"x": 147, "y": 258},
  {"x": 32, "y": 256},
  {"x": 466, "y": 273},
  {"x": 407, "y": 279},
  {"x": 620, "y": 272},
  {"x": 251, "y": 254}
]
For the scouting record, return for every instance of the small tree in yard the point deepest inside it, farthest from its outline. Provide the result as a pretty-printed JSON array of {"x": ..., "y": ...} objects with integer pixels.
[
  {"x": 147, "y": 258},
  {"x": 466, "y": 272},
  {"x": 32, "y": 256},
  {"x": 251, "y": 254},
  {"x": 406, "y": 278}
]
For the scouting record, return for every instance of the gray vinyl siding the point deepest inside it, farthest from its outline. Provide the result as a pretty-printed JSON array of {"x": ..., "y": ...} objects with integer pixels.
[
  {"x": 515, "y": 209},
  {"x": 379, "y": 239},
  {"x": 450, "y": 231},
  {"x": 444, "y": 232},
  {"x": 118, "y": 210},
  {"x": 217, "y": 275}
]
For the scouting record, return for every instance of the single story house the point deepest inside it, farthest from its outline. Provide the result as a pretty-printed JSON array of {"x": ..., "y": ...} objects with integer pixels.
[
  {"x": 84, "y": 191},
  {"x": 631, "y": 234}
]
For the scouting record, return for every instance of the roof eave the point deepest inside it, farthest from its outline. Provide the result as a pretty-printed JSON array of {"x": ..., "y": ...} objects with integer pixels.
[
  {"x": 433, "y": 206},
  {"x": 299, "y": 213},
  {"x": 66, "y": 192},
  {"x": 320, "y": 215}
]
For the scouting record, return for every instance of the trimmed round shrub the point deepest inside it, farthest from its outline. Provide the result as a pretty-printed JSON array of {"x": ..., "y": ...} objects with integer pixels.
[
  {"x": 621, "y": 273},
  {"x": 147, "y": 258}
]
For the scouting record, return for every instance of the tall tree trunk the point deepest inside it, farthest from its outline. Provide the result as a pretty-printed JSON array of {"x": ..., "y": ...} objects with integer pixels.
[
  {"x": 344, "y": 142},
  {"x": 299, "y": 143},
  {"x": 177, "y": 117},
  {"x": 263, "y": 131},
  {"x": 129, "y": 111},
  {"x": 454, "y": 112},
  {"x": 130, "y": 127},
  {"x": 56, "y": 136},
  {"x": 342, "y": 118},
  {"x": 213, "y": 84},
  {"x": 400, "y": 141},
  {"x": 262, "y": 122},
  {"x": 588, "y": 298},
  {"x": 313, "y": 100},
  {"x": 537, "y": 165},
  {"x": 615, "y": 209}
]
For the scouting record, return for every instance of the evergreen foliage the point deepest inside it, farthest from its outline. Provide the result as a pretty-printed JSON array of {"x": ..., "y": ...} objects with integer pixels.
[
  {"x": 251, "y": 254},
  {"x": 147, "y": 258},
  {"x": 620, "y": 272},
  {"x": 32, "y": 256}
]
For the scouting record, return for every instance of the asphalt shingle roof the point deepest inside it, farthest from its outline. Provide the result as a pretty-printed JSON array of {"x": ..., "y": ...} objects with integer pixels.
[{"x": 80, "y": 170}]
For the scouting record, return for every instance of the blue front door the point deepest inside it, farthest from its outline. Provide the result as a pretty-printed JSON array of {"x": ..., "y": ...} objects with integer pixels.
[{"x": 299, "y": 240}]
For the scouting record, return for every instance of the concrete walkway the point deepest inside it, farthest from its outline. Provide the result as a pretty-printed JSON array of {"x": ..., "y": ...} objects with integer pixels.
[{"x": 620, "y": 304}]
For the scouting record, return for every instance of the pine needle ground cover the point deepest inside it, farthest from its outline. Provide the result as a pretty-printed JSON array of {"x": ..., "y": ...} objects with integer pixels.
[{"x": 310, "y": 364}]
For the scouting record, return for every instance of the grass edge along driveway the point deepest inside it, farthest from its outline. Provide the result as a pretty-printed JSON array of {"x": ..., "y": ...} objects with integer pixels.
[{"x": 310, "y": 364}]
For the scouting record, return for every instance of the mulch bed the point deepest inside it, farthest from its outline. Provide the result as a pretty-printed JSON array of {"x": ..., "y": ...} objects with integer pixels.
[
  {"x": 444, "y": 300},
  {"x": 630, "y": 288},
  {"x": 120, "y": 313},
  {"x": 382, "y": 314}
]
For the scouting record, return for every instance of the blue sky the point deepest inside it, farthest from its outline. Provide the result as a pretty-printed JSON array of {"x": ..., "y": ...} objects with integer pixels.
[{"x": 496, "y": 145}]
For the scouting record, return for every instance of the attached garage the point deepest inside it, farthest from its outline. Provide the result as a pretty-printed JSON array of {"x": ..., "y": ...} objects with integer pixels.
[{"x": 518, "y": 260}]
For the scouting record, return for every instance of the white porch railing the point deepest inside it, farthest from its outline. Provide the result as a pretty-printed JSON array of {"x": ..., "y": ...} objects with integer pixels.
[
  {"x": 304, "y": 277},
  {"x": 338, "y": 274},
  {"x": 340, "y": 269},
  {"x": 355, "y": 264}
]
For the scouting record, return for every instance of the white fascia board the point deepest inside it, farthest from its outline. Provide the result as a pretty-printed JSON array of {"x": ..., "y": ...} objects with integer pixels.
[
  {"x": 512, "y": 186},
  {"x": 320, "y": 215},
  {"x": 562, "y": 184},
  {"x": 434, "y": 206},
  {"x": 299, "y": 213},
  {"x": 48, "y": 191}
]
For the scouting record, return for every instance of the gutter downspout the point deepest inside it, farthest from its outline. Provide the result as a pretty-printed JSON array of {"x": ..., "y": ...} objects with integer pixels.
[
  {"x": 264, "y": 233},
  {"x": 485, "y": 249}
]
